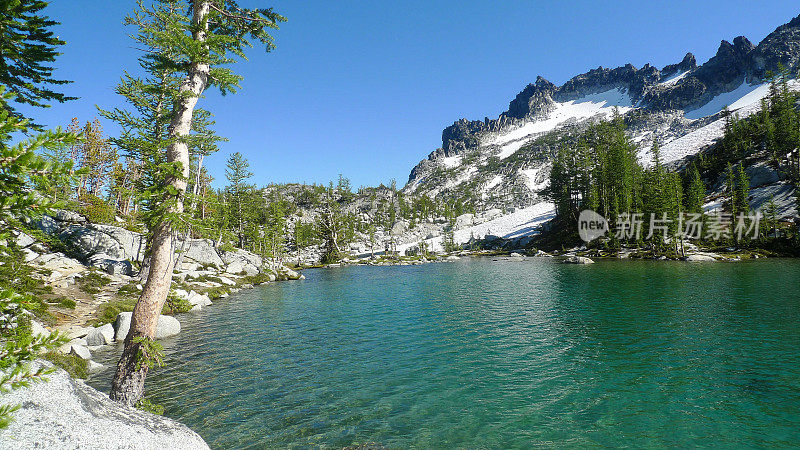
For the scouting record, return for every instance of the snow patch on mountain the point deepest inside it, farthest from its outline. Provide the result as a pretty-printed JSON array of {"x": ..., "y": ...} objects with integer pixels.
[
  {"x": 742, "y": 96},
  {"x": 743, "y": 101},
  {"x": 564, "y": 112},
  {"x": 530, "y": 175},
  {"x": 520, "y": 223},
  {"x": 674, "y": 79},
  {"x": 451, "y": 161}
]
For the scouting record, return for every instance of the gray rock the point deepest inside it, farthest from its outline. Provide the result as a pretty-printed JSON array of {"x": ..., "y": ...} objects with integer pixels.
[
  {"x": 103, "y": 335},
  {"x": 699, "y": 258},
  {"x": 47, "y": 224},
  {"x": 57, "y": 262},
  {"x": 167, "y": 326},
  {"x": 241, "y": 260},
  {"x": 200, "y": 251},
  {"x": 110, "y": 265},
  {"x": 131, "y": 243},
  {"x": 95, "y": 366},
  {"x": 23, "y": 240},
  {"x": 75, "y": 331},
  {"x": 29, "y": 254},
  {"x": 38, "y": 329},
  {"x": 89, "y": 241},
  {"x": 228, "y": 281},
  {"x": 68, "y": 216},
  {"x": 67, "y": 414},
  {"x": 197, "y": 299},
  {"x": 81, "y": 351},
  {"x": 237, "y": 267},
  {"x": 578, "y": 260},
  {"x": 289, "y": 273},
  {"x": 465, "y": 220}
]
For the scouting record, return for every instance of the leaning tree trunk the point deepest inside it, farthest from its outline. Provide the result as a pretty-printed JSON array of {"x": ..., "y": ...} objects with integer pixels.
[{"x": 128, "y": 384}]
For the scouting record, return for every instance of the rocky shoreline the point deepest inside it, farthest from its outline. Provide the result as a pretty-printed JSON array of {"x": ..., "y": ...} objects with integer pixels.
[
  {"x": 64, "y": 413},
  {"x": 95, "y": 272}
]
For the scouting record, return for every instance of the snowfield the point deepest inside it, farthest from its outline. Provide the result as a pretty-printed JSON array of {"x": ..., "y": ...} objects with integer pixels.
[
  {"x": 742, "y": 101},
  {"x": 522, "y": 222},
  {"x": 451, "y": 161},
  {"x": 497, "y": 179},
  {"x": 742, "y": 96},
  {"x": 573, "y": 110}
]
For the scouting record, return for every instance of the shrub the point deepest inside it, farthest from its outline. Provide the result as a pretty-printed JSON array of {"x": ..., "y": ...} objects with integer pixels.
[
  {"x": 146, "y": 405},
  {"x": 176, "y": 305},
  {"x": 96, "y": 209},
  {"x": 129, "y": 290}
]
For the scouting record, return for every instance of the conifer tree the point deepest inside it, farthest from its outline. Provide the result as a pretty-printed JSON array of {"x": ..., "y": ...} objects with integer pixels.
[
  {"x": 237, "y": 173},
  {"x": 696, "y": 192},
  {"x": 28, "y": 47},
  {"x": 742, "y": 190},
  {"x": 199, "y": 38},
  {"x": 21, "y": 166}
]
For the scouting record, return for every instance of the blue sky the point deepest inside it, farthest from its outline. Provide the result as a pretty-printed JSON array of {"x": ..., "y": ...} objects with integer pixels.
[{"x": 364, "y": 88}]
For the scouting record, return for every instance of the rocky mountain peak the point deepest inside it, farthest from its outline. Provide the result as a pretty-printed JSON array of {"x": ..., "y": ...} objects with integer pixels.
[
  {"x": 531, "y": 100},
  {"x": 688, "y": 63}
]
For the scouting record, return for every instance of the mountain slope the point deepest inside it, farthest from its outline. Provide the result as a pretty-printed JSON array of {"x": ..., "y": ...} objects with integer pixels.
[{"x": 504, "y": 163}]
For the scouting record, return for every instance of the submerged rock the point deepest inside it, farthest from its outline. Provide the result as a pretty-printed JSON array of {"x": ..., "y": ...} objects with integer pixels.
[
  {"x": 63, "y": 413},
  {"x": 578, "y": 260},
  {"x": 700, "y": 258}
]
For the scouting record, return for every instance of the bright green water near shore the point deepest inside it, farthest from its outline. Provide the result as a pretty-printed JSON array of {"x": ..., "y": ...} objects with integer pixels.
[{"x": 496, "y": 354}]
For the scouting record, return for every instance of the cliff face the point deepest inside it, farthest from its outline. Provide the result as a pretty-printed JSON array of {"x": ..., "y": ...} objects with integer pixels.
[{"x": 504, "y": 161}]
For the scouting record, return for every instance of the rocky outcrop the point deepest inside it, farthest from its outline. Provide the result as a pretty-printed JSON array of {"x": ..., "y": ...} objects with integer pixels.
[
  {"x": 238, "y": 261},
  {"x": 200, "y": 251},
  {"x": 63, "y": 413},
  {"x": 688, "y": 63}
]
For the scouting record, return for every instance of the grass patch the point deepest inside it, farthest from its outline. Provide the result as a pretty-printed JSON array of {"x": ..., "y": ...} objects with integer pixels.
[
  {"x": 92, "y": 282},
  {"x": 256, "y": 279},
  {"x": 75, "y": 366},
  {"x": 129, "y": 290},
  {"x": 108, "y": 311},
  {"x": 63, "y": 302}
]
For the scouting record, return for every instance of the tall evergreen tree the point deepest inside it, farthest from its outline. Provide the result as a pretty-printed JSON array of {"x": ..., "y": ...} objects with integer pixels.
[
  {"x": 200, "y": 38},
  {"x": 742, "y": 190},
  {"x": 696, "y": 192},
  {"x": 237, "y": 173}
]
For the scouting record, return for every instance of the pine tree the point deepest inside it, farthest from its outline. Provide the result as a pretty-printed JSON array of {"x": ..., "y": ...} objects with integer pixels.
[
  {"x": 237, "y": 173},
  {"x": 28, "y": 47},
  {"x": 730, "y": 204},
  {"x": 742, "y": 190},
  {"x": 696, "y": 192},
  {"x": 201, "y": 40}
]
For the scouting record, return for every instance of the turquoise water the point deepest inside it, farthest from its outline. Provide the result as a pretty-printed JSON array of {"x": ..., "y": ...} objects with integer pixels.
[{"x": 496, "y": 354}]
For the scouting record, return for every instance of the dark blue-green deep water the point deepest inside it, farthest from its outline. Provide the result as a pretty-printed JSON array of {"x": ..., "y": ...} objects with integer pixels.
[{"x": 495, "y": 354}]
